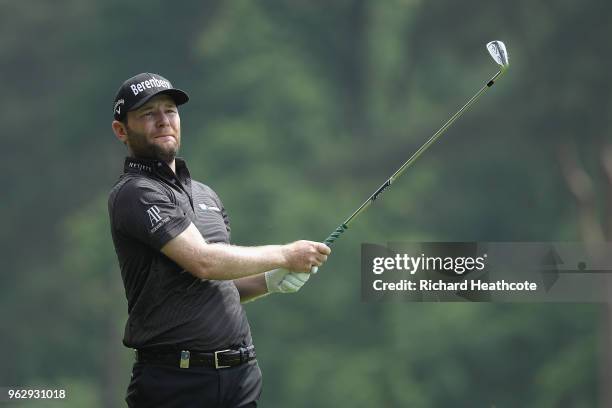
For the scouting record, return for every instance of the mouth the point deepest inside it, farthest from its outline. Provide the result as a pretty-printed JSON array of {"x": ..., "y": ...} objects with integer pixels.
[{"x": 164, "y": 138}]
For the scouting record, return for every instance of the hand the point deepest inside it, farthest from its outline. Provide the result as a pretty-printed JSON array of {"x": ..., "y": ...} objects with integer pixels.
[
  {"x": 282, "y": 281},
  {"x": 301, "y": 256}
]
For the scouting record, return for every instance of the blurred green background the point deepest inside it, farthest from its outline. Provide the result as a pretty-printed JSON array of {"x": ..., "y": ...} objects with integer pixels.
[{"x": 299, "y": 110}]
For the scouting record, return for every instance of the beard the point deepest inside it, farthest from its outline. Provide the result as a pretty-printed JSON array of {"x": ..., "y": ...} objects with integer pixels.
[{"x": 141, "y": 147}]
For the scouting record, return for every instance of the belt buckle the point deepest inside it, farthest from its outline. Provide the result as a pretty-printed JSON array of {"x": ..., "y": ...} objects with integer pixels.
[
  {"x": 217, "y": 366},
  {"x": 184, "y": 362}
]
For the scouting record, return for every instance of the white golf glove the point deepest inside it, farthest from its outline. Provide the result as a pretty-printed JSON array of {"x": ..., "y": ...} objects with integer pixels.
[{"x": 283, "y": 281}]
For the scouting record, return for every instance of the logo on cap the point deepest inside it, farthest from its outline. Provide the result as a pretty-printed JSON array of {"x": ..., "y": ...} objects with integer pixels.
[
  {"x": 150, "y": 83},
  {"x": 118, "y": 106}
]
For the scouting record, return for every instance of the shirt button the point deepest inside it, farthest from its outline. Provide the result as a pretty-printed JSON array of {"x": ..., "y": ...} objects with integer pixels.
[
  {"x": 158, "y": 164},
  {"x": 173, "y": 180}
]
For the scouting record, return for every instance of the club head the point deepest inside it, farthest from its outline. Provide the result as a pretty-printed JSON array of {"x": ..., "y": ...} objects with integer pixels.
[{"x": 497, "y": 49}]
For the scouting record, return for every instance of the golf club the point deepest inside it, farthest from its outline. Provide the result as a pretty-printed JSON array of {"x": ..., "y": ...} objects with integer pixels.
[{"x": 497, "y": 49}]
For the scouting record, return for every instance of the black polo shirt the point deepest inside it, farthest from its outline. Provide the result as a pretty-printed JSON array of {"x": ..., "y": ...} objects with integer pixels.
[{"x": 167, "y": 306}]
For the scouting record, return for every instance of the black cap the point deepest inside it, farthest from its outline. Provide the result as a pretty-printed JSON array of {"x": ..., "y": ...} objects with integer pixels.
[{"x": 137, "y": 90}]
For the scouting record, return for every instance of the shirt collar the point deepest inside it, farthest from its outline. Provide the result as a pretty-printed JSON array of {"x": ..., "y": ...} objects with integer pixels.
[
  {"x": 157, "y": 167},
  {"x": 139, "y": 165}
]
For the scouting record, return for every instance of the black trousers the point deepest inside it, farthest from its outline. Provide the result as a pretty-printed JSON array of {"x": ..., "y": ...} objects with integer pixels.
[{"x": 166, "y": 387}]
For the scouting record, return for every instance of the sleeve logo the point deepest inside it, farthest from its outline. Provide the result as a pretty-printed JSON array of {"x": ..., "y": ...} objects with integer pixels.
[{"x": 154, "y": 216}]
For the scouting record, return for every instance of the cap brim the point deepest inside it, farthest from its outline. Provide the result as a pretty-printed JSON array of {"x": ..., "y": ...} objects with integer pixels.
[{"x": 177, "y": 95}]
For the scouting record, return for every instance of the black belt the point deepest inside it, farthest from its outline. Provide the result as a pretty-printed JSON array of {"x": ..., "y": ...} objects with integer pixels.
[{"x": 186, "y": 358}]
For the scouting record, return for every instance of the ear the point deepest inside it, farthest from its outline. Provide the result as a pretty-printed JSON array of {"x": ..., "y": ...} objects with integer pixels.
[{"x": 120, "y": 131}]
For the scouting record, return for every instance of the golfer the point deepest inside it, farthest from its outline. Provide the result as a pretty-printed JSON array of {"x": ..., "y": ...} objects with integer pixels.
[{"x": 183, "y": 280}]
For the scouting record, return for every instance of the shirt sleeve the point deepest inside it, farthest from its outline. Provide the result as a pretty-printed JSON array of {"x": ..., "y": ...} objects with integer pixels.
[{"x": 148, "y": 213}]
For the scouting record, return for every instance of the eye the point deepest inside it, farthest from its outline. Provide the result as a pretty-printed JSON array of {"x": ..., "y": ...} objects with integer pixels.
[
  {"x": 171, "y": 111},
  {"x": 147, "y": 114}
]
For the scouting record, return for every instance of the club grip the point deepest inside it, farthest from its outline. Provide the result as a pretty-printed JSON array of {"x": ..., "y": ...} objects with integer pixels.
[
  {"x": 330, "y": 240},
  {"x": 334, "y": 235}
]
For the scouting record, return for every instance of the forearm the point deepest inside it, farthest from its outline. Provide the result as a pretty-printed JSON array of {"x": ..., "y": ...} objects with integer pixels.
[
  {"x": 226, "y": 262},
  {"x": 251, "y": 287},
  {"x": 221, "y": 261}
]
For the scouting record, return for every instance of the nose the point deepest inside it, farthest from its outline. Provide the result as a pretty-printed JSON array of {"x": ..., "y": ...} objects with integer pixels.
[{"x": 162, "y": 119}]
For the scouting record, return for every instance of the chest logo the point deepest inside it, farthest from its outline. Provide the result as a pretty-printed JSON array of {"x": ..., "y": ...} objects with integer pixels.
[
  {"x": 209, "y": 207},
  {"x": 154, "y": 216}
]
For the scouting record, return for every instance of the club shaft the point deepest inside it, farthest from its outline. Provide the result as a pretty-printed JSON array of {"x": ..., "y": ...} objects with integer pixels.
[{"x": 344, "y": 226}]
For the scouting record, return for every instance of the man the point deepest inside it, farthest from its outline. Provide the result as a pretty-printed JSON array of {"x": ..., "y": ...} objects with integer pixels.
[{"x": 183, "y": 281}]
